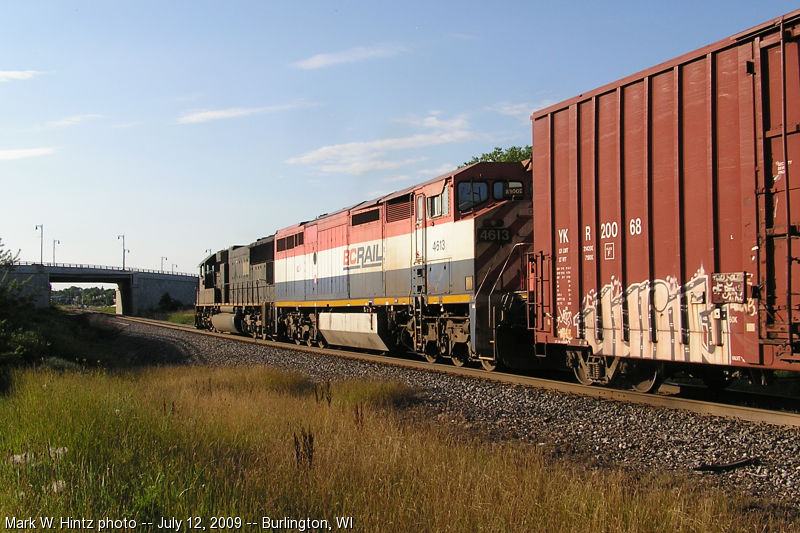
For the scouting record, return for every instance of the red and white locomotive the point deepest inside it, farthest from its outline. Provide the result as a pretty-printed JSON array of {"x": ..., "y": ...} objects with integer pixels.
[{"x": 430, "y": 269}]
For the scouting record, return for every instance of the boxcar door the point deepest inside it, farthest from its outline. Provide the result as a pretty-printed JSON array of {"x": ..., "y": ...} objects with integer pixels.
[{"x": 780, "y": 225}]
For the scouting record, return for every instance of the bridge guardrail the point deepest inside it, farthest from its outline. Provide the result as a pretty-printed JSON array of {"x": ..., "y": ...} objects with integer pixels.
[{"x": 105, "y": 267}]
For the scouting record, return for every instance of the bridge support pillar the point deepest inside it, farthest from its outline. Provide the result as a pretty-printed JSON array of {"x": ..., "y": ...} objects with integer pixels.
[
  {"x": 36, "y": 282},
  {"x": 146, "y": 291},
  {"x": 124, "y": 298}
]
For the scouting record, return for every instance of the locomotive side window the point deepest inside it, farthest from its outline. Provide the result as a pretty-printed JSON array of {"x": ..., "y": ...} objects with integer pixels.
[
  {"x": 420, "y": 207},
  {"x": 434, "y": 206},
  {"x": 440, "y": 204},
  {"x": 471, "y": 194},
  {"x": 497, "y": 190}
]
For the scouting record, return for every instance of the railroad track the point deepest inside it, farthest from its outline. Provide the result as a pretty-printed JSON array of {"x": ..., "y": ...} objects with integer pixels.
[{"x": 668, "y": 398}]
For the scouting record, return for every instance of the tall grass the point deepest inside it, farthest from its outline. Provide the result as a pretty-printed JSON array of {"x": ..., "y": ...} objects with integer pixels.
[{"x": 251, "y": 442}]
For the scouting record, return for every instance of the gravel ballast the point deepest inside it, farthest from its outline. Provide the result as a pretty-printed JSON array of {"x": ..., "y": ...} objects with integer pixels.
[{"x": 601, "y": 433}]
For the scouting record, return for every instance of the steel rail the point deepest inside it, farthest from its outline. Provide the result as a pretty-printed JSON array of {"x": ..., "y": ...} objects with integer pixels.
[{"x": 749, "y": 414}]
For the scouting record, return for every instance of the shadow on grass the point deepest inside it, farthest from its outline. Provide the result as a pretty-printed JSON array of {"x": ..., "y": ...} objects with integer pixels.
[
  {"x": 6, "y": 380},
  {"x": 84, "y": 340},
  {"x": 119, "y": 347}
]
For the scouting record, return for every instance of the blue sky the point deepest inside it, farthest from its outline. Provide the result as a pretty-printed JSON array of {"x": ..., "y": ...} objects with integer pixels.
[{"x": 196, "y": 125}]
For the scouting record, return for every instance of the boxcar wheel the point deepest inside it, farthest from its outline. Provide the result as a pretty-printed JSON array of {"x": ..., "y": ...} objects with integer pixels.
[
  {"x": 581, "y": 369},
  {"x": 646, "y": 377}
]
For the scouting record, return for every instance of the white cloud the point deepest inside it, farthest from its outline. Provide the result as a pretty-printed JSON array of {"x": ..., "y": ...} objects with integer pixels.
[
  {"x": 235, "y": 112},
  {"x": 438, "y": 171},
  {"x": 352, "y": 55},
  {"x": 17, "y": 75},
  {"x": 424, "y": 173},
  {"x": 72, "y": 121},
  {"x": 522, "y": 110},
  {"x": 541, "y": 104},
  {"x": 7, "y": 155},
  {"x": 364, "y": 156},
  {"x": 398, "y": 179},
  {"x": 126, "y": 125},
  {"x": 356, "y": 167}
]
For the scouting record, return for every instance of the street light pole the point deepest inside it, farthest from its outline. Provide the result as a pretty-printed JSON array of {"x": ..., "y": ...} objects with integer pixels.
[
  {"x": 163, "y": 257},
  {"x": 123, "y": 249},
  {"x": 55, "y": 241},
  {"x": 40, "y": 227}
]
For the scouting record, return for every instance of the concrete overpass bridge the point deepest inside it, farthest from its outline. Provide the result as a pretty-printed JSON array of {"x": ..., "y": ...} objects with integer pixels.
[{"x": 137, "y": 289}]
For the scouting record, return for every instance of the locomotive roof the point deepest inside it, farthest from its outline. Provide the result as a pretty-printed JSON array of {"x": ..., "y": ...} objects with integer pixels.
[
  {"x": 402, "y": 192},
  {"x": 362, "y": 205}
]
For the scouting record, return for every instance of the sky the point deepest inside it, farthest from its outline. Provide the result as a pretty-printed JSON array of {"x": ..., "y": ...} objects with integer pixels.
[{"x": 189, "y": 126}]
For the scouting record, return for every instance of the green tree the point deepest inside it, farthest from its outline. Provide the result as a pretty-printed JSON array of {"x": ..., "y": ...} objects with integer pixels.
[
  {"x": 10, "y": 287},
  {"x": 512, "y": 154},
  {"x": 15, "y": 339}
]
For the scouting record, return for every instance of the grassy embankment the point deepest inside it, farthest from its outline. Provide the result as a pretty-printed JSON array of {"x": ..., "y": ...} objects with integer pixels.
[
  {"x": 252, "y": 442},
  {"x": 180, "y": 316},
  {"x": 185, "y": 316}
]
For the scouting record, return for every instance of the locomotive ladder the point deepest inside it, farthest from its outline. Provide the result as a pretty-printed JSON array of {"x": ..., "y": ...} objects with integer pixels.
[{"x": 418, "y": 341}]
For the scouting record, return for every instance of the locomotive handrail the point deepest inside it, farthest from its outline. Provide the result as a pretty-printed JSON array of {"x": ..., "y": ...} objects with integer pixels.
[
  {"x": 499, "y": 276},
  {"x": 488, "y": 270}
]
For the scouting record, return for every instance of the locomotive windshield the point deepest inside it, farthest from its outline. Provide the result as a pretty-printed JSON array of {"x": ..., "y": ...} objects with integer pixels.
[{"x": 472, "y": 194}]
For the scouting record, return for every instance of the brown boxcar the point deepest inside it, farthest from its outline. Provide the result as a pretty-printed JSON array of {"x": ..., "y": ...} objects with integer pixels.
[{"x": 666, "y": 213}]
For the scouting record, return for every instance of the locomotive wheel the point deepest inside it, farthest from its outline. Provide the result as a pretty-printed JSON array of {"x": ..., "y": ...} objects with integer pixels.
[
  {"x": 646, "y": 377},
  {"x": 489, "y": 366},
  {"x": 431, "y": 358},
  {"x": 458, "y": 361}
]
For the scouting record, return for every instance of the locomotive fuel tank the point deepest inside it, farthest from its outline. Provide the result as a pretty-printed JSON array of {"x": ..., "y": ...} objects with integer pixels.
[
  {"x": 227, "y": 322},
  {"x": 360, "y": 330}
]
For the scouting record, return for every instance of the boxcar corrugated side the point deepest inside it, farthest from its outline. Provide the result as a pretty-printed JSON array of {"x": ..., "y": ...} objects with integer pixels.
[{"x": 667, "y": 212}]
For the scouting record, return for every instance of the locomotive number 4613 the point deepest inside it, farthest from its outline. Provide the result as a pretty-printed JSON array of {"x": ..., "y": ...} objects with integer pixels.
[{"x": 494, "y": 234}]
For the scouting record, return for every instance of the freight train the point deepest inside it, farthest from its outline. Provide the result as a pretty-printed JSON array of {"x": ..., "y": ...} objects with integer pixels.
[{"x": 653, "y": 231}]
